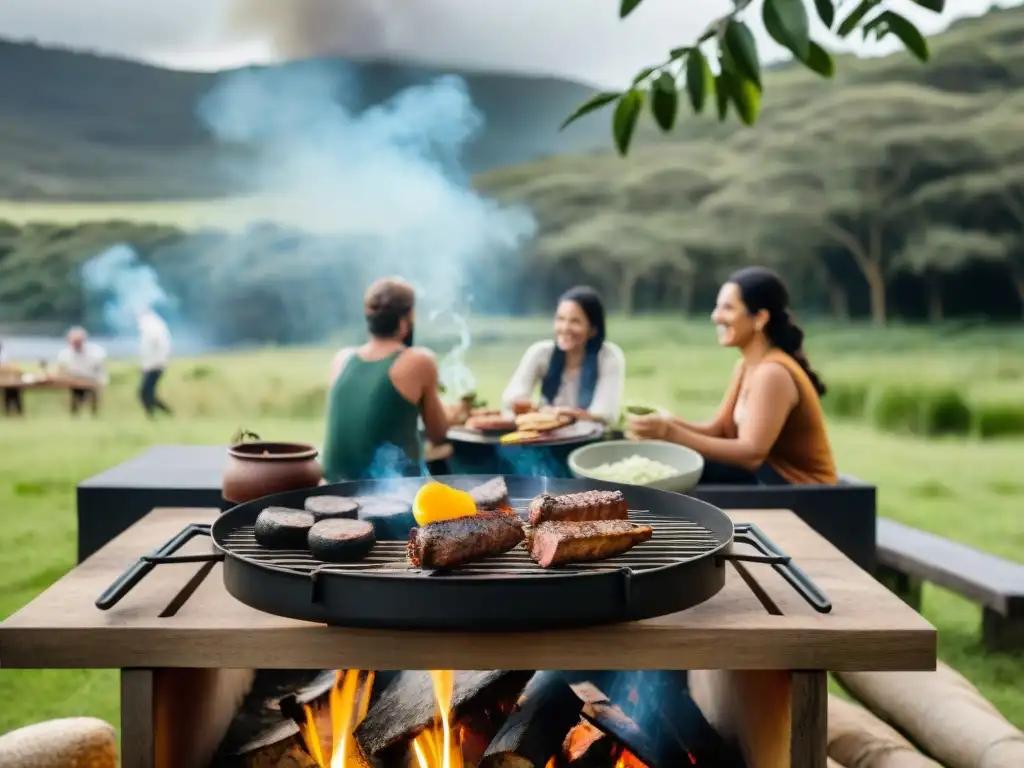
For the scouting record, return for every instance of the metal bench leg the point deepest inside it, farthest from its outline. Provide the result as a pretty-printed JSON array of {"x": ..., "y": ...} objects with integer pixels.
[
  {"x": 1001, "y": 633},
  {"x": 904, "y": 586}
]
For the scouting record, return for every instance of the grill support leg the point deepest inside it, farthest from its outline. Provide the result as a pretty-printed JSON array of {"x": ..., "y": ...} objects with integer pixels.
[
  {"x": 171, "y": 718},
  {"x": 779, "y": 718}
]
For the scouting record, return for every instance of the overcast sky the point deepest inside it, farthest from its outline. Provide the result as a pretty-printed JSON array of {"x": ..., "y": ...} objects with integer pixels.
[{"x": 581, "y": 38}]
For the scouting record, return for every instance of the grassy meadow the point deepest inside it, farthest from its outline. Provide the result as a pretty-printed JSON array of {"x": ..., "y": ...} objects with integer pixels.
[{"x": 960, "y": 487}]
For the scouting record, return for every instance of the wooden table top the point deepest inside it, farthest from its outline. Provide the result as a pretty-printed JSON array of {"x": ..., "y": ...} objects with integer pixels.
[
  {"x": 41, "y": 381},
  {"x": 180, "y": 615}
]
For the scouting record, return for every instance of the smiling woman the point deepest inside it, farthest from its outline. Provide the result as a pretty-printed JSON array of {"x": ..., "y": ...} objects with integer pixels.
[
  {"x": 770, "y": 428},
  {"x": 580, "y": 372}
]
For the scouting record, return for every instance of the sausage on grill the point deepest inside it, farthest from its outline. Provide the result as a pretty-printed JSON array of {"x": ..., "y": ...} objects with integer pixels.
[
  {"x": 456, "y": 542},
  {"x": 577, "y": 507},
  {"x": 560, "y": 543}
]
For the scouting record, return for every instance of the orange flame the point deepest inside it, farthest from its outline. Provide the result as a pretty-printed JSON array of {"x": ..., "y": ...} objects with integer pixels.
[
  {"x": 348, "y": 702},
  {"x": 440, "y": 750}
]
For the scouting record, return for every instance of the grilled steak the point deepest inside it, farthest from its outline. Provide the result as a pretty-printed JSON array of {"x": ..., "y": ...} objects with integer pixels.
[
  {"x": 463, "y": 540},
  {"x": 491, "y": 495},
  {"x": 577, "y": 507},
  {"x": 559, "y": 543}
]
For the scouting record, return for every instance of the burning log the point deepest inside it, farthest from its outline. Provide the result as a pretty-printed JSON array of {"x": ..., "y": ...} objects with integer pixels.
[
  {"x": 315, "y": 689},
  {"x": 586, "y": 746},
  {"x": 408, "y": 705},
  {"x": 278, "y": 747},
  {"x": 536, "y": 729}
]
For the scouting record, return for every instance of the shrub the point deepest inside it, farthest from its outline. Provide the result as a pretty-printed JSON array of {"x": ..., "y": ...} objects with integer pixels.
[
  {"x": 846, "y": 400},
  {"x": 945, "y": 412},
  {"x": 924, "y": 412},
  {"x": 995, "y": 420},
  {"x": 895, "y": 409}
]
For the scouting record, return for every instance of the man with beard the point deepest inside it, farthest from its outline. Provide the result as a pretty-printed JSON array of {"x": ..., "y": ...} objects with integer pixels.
[{"x": 379, "y": 391}]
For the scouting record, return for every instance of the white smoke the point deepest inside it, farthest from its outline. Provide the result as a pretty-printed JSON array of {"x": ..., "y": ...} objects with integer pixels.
[
  {"x": 389, "y": 176},
  {"x": 125, "y": 285}
]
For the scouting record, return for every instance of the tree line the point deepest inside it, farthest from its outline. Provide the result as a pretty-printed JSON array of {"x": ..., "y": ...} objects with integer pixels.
[
  {"x": 872, "y": 200},
  {"x": 862, "y": 192}
]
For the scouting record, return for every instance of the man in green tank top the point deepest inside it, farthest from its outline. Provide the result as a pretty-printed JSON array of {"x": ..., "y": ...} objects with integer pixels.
[{"x": 378, "y": 392}]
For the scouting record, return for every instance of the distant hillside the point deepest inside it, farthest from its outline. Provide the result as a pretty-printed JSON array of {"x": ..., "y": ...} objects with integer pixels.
[{"x": 81, "y": 127}]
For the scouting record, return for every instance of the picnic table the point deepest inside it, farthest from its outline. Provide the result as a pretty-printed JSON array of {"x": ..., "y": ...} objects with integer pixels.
[{"x": 15, "y": 382}]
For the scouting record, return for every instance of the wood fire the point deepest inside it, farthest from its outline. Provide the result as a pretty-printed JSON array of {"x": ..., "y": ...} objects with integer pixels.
[{"x": 437, "y": 746}]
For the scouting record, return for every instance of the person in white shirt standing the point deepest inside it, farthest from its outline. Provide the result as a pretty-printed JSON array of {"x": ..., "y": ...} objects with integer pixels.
[
  {"x": 82, "y": 359},
  {"x": 154, "y": 354}
]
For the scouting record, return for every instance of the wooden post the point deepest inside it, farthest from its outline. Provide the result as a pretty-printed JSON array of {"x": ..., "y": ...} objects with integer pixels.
[{"x": 138, "y": 743}]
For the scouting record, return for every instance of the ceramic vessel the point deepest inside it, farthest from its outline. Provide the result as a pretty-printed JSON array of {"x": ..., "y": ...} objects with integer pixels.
[{"x": 260, "y": 468}]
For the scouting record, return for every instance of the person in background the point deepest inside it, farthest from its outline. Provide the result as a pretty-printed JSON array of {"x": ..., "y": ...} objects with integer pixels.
[
  {"x": 154, "y": 355},
  {"x": 12, "y": 394},
  {"x": 379, "y": 391},
  {"x": 770, "y": 428},
  {"x": 580, "y": 372},
  {"x": 84, "y": 360}
]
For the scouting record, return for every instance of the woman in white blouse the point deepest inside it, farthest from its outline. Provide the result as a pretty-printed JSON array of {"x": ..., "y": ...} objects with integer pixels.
[{"x": 579, "y": 371}]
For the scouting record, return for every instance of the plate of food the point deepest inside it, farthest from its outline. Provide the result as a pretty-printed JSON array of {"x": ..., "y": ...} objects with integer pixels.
[
  {"x": 542, "y": 421},
  {"x": 489, "y": 421}
]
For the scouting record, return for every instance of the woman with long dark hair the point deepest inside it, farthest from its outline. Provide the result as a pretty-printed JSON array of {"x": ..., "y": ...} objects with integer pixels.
[
  {"x": 769, "y": 429},
  {"x": 579, "y": 371}
]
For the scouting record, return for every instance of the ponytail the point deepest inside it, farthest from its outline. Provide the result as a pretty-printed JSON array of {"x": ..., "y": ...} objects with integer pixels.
[{"x": 785, "y": 334}]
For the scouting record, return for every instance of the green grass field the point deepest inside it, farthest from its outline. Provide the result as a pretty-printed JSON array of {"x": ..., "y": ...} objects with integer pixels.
[{"x": 961, "y": 488}]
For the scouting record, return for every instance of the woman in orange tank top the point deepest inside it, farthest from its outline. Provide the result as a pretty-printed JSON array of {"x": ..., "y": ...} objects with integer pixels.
[{"x": 769, "y": 429}]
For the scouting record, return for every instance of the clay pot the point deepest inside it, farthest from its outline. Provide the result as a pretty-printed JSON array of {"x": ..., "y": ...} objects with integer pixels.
[{"x": 261, "y": 468}]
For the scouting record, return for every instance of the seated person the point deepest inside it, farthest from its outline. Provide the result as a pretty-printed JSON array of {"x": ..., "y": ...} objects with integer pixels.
[
  {"x": 379, "y": 391},
  {"x": 769, "y": 429},
  {"x": 84, "y": 360},
  {"x": 579, "y": 371}
]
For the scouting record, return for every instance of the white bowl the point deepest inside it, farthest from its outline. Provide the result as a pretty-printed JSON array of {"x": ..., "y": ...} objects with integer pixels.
[{"x": 688, "y": 463}]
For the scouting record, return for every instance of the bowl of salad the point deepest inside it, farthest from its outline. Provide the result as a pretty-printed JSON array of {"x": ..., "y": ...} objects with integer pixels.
[{"x": 653, "y": 463}]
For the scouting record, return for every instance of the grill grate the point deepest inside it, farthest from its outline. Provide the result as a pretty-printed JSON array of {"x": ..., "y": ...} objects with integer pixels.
[{"x": 675, "y": 540}]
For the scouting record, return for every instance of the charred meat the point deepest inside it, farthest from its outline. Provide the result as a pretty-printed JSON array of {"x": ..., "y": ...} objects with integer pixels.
[
  {"x": 491, "y": 495},
  {"x": 456, "y": 542},
  {"x": 578, "y": 507},
  {"x": 560, "y": 543}
]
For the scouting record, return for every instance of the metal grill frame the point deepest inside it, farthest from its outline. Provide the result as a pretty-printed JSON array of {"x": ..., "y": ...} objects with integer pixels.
[
  {"x": 674, "y": 541},
  {"x": 483, "y": 597}
]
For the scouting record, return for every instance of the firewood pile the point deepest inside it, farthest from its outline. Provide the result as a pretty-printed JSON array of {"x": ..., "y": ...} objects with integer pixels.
[{"x": 918, "y": 720}]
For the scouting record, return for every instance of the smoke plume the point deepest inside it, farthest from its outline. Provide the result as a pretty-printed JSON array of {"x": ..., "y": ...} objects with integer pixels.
[{"x": 125, "y": 286}]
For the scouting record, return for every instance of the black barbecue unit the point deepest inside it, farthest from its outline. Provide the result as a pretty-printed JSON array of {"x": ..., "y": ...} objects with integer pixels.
[{"x": 681, "y": 566}]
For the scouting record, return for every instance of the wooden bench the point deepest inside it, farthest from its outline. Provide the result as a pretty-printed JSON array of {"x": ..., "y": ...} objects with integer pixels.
[{"x": 907, "y": 557}]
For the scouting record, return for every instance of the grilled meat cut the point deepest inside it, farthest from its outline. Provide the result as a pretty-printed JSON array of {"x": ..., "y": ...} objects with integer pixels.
[
  {"x": 491, "y": 495},
  {"x": 577, "y": 507},
  {"x": 552, "y": 544},
  {"x": 464, "y": 539}
]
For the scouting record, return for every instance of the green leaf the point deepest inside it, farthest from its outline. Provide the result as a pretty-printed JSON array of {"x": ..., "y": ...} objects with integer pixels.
[
  {"x": 664, "y": 101},
  {"x": 593, "y": 103},
  {"x": 723, "y": 92},
  {"x": 856, "y": 16},
  {"x": 819, "y": 60},
  {"x": 627, "y": 7},
  {"x": 699, "y": 79},
  {"x": 747, "y": 98},
  {"x": 627, "y": 112},
  {"x": 741, "y": 51},
  {"x": 826, "y": 12},
  {"x": 935, "y": 6},
  {"x": 906, "y": 32},
  {"x": 787, "y": 23},
  {"x": 679, "y": 53},
  {"x": 643, "y": 74}
]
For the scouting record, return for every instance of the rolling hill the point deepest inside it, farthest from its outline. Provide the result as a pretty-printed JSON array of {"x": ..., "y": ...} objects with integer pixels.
[{"x": 81, "y": 127}]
